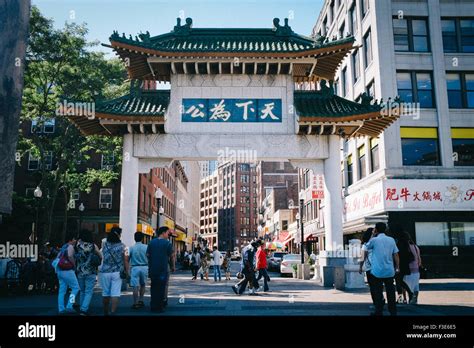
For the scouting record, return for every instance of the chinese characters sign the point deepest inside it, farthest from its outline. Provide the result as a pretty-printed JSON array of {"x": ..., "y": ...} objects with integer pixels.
[
  {"x": 393, "y": 195},
  {"x": 318, "y": 187},
  {"x": 231, "y": 110}
]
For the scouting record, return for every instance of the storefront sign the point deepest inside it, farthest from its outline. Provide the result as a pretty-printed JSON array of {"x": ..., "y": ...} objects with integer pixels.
[
  {"x": 410, "y": 195},
  {"x": 231, "y": 110},
  {"x": 364, "y": 202},
  {"x": 318, "y": 187},
  {"x": 443, "y": 194}
]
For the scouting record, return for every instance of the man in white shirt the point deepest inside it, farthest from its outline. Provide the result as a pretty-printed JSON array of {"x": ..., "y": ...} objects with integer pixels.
[
  {"x": 216, "y": 255},
  {"x": 384, "y": 264}
]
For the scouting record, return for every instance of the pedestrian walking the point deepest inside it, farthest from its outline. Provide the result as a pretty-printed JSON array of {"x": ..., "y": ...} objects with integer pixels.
[
  {"x": 413, "y": 279},
  {"x": 366, "y": 259},
  {"x": 261, "y": 267},
  {"x": 226, "y": 264},
  {"x": 205, "y": 264},
  {"x": 138, "y": 270},
  {"x": 88, "y": 259},
  {"x": 65, "y": 265},
  {"x": 195, "y": 262},
  {"x": 402, "y": 239},
  {"x": 384, "y": 256},
  {"x": 161, "y": 263},
  {"x": 248, "y": 271},
  {"x": 114, "y": 268},
  {"x": 216, "y": 255}
]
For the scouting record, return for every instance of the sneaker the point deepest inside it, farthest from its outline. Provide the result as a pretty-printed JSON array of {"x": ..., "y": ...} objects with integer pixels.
[
  {"x": 258, "y": 289},
  {"x": 234, "y": 288}
]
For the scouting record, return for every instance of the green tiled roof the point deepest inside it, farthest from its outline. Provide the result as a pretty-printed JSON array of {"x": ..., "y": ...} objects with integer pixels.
[
  {"x": 324, "y": 103},
  {"x": 138, "y": 102},
  {"x": 184, "y": 38}
]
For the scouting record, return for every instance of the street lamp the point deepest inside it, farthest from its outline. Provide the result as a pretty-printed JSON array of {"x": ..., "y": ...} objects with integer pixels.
[
  {"x": 160, "y": 210},
  {"x": 81, "y": 210},
  {"x": 302, "y": 194},
  {"x": 38, "y": 194}
]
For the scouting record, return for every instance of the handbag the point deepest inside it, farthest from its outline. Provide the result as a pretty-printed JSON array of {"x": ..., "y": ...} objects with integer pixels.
[
  {"x": 64, "y": 264},
  {"x": 123, "y": 273}
]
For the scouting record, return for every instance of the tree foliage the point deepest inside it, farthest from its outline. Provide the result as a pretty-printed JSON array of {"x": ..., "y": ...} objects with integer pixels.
[{"x": 62, "y": 66}]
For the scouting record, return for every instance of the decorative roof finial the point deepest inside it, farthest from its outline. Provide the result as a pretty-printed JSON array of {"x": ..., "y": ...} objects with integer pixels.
[
  {"x": 184, "y": 29},
  {"x": 281, "y": 30}
]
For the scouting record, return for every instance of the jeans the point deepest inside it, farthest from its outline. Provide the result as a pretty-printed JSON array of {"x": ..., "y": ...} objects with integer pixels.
[
  {"x": 217, "y": 271},
  {"x": 249, "y": 276},
  {"x": 67, "y": 279},
  {"x": 157, "y": 290},
  {"x": 194, "y": 270},
  {"x": 263, "y": 273},
  {"x": 377, "y": 293},
  {"x": 86, "y": 284}
]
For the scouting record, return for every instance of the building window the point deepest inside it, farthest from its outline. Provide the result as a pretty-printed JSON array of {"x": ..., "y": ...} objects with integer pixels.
[
  {"x": 105, "y": 199},
  {"x": 356, "y": 65},
  {"x": 368, "y": 49},
  {"x": 460, "y": 90},
  {"x": 419, "y": 146},
  {"x": 350, "y": 178},
  {"x": 411, "y": 35},
  {"x": 244, "y": 179},
  {"x": 345, "y": 81},
  {"x": 362, "y": 162},
  {"x": 47, "y": 126},
  {"x": 364, "y": 7},
  {"x": 353, "y": 18},
  {"x": 370, "y": 90},
  {"x": 33, "y": 162},
  {"x": 458, "y": 34},
  {"x": 331, "y": 11},
  {"x": 416, "y": 87},
  {"x": 108, "y": 161},
  {"x": 444, "y": 233},
  {"x": 463, "y": 146},
  {"x": 342, "y": 28},
  {"x": 374, "y": 154}
]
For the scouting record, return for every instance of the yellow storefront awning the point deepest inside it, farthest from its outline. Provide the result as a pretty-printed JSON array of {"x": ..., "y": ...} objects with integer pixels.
[
  {"x": 146, "y": 229},
  {"x": 109, "y": 226},
  {"x": 181, "y": 236}
]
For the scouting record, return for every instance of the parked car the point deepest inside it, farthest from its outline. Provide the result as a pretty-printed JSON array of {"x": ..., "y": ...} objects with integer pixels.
[
  {"x": 235, "y": 255},
  {"x": 274, "y": 260},
  {"x": 287, "y": 263}
]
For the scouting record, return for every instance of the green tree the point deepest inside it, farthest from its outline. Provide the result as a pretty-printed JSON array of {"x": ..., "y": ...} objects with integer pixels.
[{"x": 61, "y": 66}]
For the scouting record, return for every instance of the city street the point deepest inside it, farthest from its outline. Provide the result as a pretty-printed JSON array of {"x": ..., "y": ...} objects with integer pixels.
[{"x": 288, "y": 297}]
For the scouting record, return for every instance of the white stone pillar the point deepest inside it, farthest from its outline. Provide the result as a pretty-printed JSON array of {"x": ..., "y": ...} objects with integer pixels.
[
  {"x": 129, "y": 191},
  {"x": 332, "y": 196}
]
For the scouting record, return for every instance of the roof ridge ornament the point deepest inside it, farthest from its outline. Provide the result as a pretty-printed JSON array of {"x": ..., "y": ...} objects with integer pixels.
[
  {"x": 184, "y": 29},
  {"x": 325, "y": 89},
  {"x": 366, "y": 99},
  {"x": 281, "y": 30}
]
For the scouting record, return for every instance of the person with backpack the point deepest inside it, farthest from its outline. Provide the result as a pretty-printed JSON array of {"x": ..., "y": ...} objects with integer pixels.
[
  {"x": 88, "y": 259},
  {"x": 65, "y": 265},
  {"x": 195, "y": 262},
  {"x": 113, "y": 270}
]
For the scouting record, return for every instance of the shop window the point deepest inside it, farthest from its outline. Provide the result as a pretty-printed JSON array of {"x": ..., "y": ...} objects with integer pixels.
[
  {"x": 420, "y": 146},
  {"x": 444, "y": 233}
]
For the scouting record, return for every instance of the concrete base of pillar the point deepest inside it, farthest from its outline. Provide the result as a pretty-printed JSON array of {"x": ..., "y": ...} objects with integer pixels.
[
  {"x": 354, "y": 280},
  {"x": 332, "y": 272},
  {"x": 304, "y": 271}
]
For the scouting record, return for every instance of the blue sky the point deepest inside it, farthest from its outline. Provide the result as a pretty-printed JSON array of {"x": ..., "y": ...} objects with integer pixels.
[{"x": 159, "y": 16}]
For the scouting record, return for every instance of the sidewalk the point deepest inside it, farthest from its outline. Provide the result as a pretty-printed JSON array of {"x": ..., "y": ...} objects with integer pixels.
[{"x": 289, "y": 297}]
